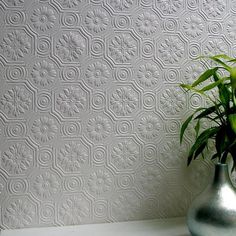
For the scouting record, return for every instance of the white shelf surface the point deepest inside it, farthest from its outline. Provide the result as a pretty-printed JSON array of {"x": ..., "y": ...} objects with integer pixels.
[{"x": 164, "y": 227}]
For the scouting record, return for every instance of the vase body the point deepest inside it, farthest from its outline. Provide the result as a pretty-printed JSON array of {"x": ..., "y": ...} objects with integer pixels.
[{"x": 213, "y": 212}]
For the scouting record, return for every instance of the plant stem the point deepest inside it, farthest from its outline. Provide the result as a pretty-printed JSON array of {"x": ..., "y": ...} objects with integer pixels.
[
  {"x": 224, "y": 157},
  {"x": 233, "y": 98}
]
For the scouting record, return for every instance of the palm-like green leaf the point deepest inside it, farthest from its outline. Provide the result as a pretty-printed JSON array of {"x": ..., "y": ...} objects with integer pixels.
[
  {"x": 214, "y": 84},
  {"x": 222, "y": 141},
  {"x": 221, "y": 63},
  {"x": 189, "y": 87},
  {"x": 217, "y": 59},
  {"x": 201, "y": 139},
  {"x": 214, "y": 156},
  {"x": 232, "y": 121},
  {"x": 184, "y": 127},
  {"x": 200, "y": 150},
  {"x": 218, "y": 56},
  {"x": 223, "y": 56},
  {"x": 186, "y": 123},
  {"x": 197, "y": 127},
  {"x": 222, "y": 113},
  {"x": 206, "y": 75},
  {"x": 224, "y": 95},
  {"x": 207, "y": 111}
]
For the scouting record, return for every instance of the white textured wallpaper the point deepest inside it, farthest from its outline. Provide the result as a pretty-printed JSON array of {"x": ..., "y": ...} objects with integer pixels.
[{"x": 90, "y": 107}]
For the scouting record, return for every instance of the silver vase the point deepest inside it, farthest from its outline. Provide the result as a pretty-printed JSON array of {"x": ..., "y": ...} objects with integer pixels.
[{"x": 213, "y": 212}]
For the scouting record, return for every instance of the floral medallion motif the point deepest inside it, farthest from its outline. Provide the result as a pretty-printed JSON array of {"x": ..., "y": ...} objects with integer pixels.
[
  {"x": 44, "y": 129},
  {"x": 148, "y": 75},
  {"x": 43, "y": 73},
  {"x": 126, "y": 206},
  {"x": 149, "y": 179},
  {"x": 124, "y": 101},
  {"x": 73, "y": 210},
  {"x": 70, "y": 3},
  {"x": 147, "y": 23},
  {"x": 71, "y": 101},
  {"x": 45, "y": 185},
  {"x": 122, "y": 48},
  {"x": 72, "y": 156},
  {"x": 231, "y": 28},
  {"x": 171, "y": 49},
  {"x": 18, "y": 213},
  {"x": 193, "y": 26},
  {"x": 100, "y": 182},
  {"x": 96, "y": 20},
  {"x": 125, "y": 154},
  {"x": 121, "y": 5},
  {"x": 43, "y": 18},
  {"x": 15, "y": 45},
  {"x": 172, "y": 101},
  {"x": 215, "y": 46},
  {"x": 70, "y": 47},
  {"x": 172, "y": 154},
  {"x": 16, "y": 101},
  {"x": 169, "y": 6},
  {"x": 17, "y": 159},
  {"x": 192, "y": 72},
  {"x": 214, "y": 8},
  {"x": 99, "y": 128},
  {"x": 149, "y": 127},
  {"x": 97, "y": 74}
]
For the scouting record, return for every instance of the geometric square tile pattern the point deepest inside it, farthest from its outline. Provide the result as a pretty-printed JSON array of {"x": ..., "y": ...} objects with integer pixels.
[{"x": 90, "y": 107}]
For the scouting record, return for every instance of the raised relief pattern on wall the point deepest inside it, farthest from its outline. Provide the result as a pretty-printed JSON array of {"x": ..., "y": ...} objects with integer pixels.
[{"x": 90, "y": 107}]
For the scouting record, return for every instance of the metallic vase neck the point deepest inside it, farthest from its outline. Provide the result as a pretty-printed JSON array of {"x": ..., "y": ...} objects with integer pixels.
[{"x": 221, "y": 174}]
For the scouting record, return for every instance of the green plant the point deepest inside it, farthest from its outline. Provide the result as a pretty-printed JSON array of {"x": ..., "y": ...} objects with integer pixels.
[{"x": 221, "y": 114}]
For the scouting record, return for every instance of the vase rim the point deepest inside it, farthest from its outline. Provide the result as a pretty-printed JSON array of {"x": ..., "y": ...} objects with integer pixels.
[{"x": 221, "y": 164}]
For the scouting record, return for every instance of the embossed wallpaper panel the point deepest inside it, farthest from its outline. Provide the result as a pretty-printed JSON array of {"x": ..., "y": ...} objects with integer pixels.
[{"x": 90, "y": 107}]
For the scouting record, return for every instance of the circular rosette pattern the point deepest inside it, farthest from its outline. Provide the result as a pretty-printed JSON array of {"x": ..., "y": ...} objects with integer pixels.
[
  {"x": 45, "y": 185},
  {"x": 122, "y": 48},
  {"x": 44, "y": 129},
  {"x": 70, "y": 47},
  {"x": 71, "y": 101},
  {"x": 16, "y": 45},
  {"x": 16, "y": 101},
  {"x": 100, "y": 182},
  {"x": 98, "y": 128},
  {"x": 124, "y": 101},
  {"x": 43, "y": 18},
  {"x": 73, "y": 210},
  {"x": 72, "y": 157},
  {"x": 19, "y": 213},
  {"x": 17, "y": 159},
  {"x": 43, "y": 73},
  {"x": 96, "y": 20},
  {"x": 125, "y": 154}
]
